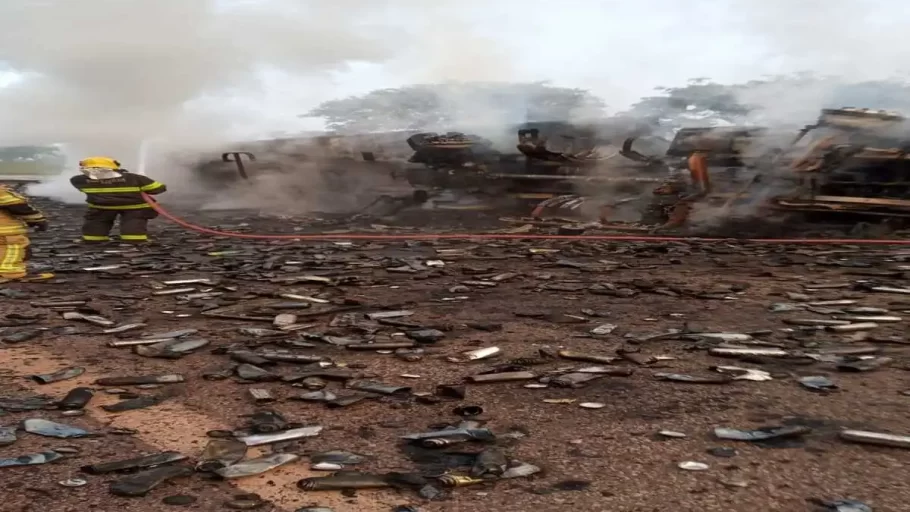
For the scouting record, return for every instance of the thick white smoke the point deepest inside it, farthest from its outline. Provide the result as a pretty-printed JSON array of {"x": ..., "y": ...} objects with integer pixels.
[
  {"x": 858, "y": 40},
  {"x": 841, "y": 42},
  {"x": 104, "y": 75}
]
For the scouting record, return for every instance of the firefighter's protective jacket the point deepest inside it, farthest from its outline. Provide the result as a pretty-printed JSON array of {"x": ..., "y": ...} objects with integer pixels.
[
  {"x": 16, "y": 214},
  {"x": 121, "y": 193}
]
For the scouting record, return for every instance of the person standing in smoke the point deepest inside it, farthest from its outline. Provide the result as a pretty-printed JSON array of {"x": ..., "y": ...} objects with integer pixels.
[{"x": 113, "y": 192}]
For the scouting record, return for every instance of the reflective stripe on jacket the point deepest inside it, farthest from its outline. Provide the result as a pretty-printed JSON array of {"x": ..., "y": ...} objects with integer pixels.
[
  {"x": 16, "y": 214},
  {"x": 121, "y": 193}
]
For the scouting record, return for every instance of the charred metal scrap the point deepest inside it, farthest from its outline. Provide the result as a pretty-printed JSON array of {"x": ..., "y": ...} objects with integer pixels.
[{"x": 851, "y": 161}]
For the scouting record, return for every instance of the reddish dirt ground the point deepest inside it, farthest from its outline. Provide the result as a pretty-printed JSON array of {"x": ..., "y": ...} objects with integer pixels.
[{"x": 607, "y": 459}]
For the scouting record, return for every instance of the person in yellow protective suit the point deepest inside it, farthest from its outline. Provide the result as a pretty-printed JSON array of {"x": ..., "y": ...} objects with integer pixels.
[
  {"x": 16, "y": 216},
  {"x": 113, "y": 192}
]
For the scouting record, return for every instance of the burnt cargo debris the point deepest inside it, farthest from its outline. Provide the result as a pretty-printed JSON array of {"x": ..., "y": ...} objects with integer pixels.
[{"x": 849, "y": 161}]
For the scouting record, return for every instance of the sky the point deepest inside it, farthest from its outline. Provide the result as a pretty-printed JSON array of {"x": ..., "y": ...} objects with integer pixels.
[
  {"x": 255, "y": 65},
  {"x": 618, "y": 50},
  {"x": 8, "y": 78},
  {"x": 623, "y": 50}
]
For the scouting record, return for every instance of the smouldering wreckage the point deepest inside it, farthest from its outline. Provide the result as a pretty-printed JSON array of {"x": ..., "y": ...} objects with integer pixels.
[{"x": 851, "y": 161}]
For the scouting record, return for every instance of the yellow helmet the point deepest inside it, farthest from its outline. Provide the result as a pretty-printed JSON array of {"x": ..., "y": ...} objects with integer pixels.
[{"x": 100, "y": 162}]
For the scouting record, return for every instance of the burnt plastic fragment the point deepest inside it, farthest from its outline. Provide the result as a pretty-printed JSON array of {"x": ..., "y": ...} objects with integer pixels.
[
  {"x": 64, "y": 374},
  {"x": 76, "y": 399},
  {"x": 141, "y": 483},
  {"x": 145, "y": 461}
]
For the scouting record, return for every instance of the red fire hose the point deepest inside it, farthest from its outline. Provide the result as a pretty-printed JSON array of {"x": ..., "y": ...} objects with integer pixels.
[{"x": 504, "y": 236}]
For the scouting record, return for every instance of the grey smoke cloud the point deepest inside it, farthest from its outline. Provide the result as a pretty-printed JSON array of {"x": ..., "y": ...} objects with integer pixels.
[
  {"x": 860, "y": 40},
  {"x": 116, "y": 70},
  {"x": 106, "y": 74}
]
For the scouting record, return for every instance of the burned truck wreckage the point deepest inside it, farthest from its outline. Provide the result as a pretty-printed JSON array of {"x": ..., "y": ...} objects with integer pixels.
[
  {"x": 552, "y": 161},
  {"x": 850, "y": 161}
]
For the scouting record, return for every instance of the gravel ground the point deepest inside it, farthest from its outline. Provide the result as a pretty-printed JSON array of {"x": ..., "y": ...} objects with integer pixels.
[{"x": 519, "y": 296}]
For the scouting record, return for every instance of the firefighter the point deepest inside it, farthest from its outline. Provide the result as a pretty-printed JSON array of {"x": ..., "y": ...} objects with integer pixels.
[
  {"x": 112, "y": 192},
  {"x": 16, "y": 216}
]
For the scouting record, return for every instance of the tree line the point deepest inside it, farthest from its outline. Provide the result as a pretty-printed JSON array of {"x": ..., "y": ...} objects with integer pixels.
[
  {"x": 434, "y": 107},
  {"x": 454, "y": 106}
]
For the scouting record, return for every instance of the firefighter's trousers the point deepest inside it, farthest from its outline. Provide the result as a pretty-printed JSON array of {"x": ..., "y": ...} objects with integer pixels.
[
  {"x": 13, "y": 253},
  {"x": 98, "y": 224}
]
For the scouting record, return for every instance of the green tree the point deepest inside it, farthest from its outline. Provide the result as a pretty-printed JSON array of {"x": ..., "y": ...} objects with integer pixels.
[
  {"x": 30, "y": 160},
  {"x": 453, "y": 106},
  {"x": 698, "y": 95},
  {"x": 703, "y": 101},
  {"x": 29, "y": 153}
]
